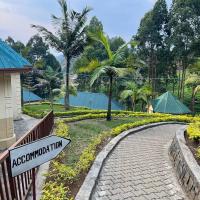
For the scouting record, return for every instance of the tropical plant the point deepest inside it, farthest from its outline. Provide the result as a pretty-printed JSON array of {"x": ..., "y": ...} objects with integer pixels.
[
  {"x": 131, "y": 92},
  {"x": 193, "y": 81},
  {"x": 145, "y": 94},
  {"x": 106, "y": 67},
  {"x": 152, "y": 47},
  {"x": 49, "y": 77},
  {"x": 70, "y": 37}
]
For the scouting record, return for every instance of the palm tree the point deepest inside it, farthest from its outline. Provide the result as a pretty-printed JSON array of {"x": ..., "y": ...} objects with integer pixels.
[
  {"x": 145, "y": 94},
  {"x": 48, "y": 79},
  {"x": 70, "y": 37},
  {"x": 107, "y": 67},
  {"x": 130, "y": 92},
  {"x": 193, "y": 81}
]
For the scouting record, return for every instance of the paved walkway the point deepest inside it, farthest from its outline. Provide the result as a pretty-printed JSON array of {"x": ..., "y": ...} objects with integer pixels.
[
  {"x": 139, "y": 168},
  {"x": 24, "y": 125}
]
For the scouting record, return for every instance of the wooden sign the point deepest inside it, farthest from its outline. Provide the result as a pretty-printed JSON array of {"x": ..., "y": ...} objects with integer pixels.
[{"x": 29, "y": 156}]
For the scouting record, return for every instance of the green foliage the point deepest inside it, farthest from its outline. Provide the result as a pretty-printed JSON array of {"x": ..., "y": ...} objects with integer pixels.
[
  {"x": 193, "y": 131},
  {"x": 62, "y": 129},
  {"x": 54, "y": 191},
  {"x": 152, "y": 37},
  {"x": 37, "y": 52},
  {"x": 34, "y": 114},
  {"x": 70, "y": 37},
  {"x": 130, "y": 92},
  {"x": 198, "y": 152}
]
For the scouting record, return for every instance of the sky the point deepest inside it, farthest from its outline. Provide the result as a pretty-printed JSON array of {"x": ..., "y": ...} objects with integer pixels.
[{"x": 119, "y": 17}]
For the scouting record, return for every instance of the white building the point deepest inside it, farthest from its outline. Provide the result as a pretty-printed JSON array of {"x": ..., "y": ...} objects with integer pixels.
[{"x": 11, "y": 65}]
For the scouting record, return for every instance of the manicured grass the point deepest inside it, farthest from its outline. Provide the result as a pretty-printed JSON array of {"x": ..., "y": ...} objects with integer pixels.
[
  {"x": 40, "y": 108},
  {"x": 82, "y": 132}
]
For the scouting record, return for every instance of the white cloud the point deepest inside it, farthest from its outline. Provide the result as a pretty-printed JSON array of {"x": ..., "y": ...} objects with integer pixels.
[{"x": 15, "y": 23}]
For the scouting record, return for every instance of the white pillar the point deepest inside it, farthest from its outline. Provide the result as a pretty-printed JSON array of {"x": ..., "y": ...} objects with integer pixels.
[
  {"x": 7, "y": 136},
  {"x": 16, "y": 92}
]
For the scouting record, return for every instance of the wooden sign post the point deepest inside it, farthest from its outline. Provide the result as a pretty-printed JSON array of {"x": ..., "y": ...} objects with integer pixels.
[{"x": 32, "y": 155}]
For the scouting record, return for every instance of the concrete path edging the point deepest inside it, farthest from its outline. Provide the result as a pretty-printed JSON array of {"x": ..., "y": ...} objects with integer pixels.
[
  {"x": 187, "y": 168},
  {"x": 88, "y": 185}
]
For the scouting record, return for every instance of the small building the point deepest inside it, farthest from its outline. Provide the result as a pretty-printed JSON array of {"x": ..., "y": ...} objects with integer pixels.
[
  {"x": 11, "y": 65},
  {"x": 168, "y": 103}
]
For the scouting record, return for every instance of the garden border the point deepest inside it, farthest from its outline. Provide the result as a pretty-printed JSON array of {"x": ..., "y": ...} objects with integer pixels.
[
  {"x": 90, "y": 181},
  {"x": 187, "y": 168}
]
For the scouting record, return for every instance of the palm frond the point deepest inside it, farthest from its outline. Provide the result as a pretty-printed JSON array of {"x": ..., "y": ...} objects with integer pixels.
[
  {"x": 126, "y": 94},
  {"x": 122, "y": 72},
  {"x": 79, "y": 23},
  {"x": 119, "y": 55},
  {"x": 100, "y": 37},
  {"x": 56, "y": 21},
  {"x": 197, "y": 89},
  {"x": 50, "y": 37},
  {"x": 64, "y": 9},
  {"x": 97, "y": 73},
  {"x": 90, "y": 67}
]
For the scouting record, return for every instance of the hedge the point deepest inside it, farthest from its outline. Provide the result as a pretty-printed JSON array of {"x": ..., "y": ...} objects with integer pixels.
[
  {"x": 193, "y": 131},
  {"x": 34, "y": 114}
]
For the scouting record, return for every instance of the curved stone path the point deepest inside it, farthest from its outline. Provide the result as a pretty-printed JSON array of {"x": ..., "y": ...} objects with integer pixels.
[{"x": 139, "y": 168}]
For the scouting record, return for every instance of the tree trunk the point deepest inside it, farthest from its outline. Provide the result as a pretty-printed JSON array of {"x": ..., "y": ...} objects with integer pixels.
[
  {"x": 193, "y": 99},
  {"x": 179, "y": 83},
  {"x": 173, "y": 85},
  {"x": 183, "y": 82},
  {"x": 109, "y": 117},
  {"x": 142, "y": 106},
  {"x": 67, "y": 105},
  {"x": 132, "y": 105}
]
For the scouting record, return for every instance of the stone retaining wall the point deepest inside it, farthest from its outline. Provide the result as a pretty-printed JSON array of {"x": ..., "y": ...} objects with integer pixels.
[{"x": 187, "y": 169}]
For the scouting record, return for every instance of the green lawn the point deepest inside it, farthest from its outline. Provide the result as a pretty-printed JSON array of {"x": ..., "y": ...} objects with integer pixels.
[
  {"x": 40, "y": 108},
  {"x": 82, "y": 132}
]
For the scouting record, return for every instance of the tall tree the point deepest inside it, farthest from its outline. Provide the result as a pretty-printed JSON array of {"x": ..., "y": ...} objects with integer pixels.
[
  {"x": 184, "y": 26},
  {"x": 70, "y": 37},
  {"x": 106, "y": 67},
  {"x": 151, "y": 36}
]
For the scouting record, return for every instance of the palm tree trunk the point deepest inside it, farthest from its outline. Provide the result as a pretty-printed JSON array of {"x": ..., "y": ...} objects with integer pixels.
[
  {"x": 173, "y": 85},
  {"x": 193, "y": 99},
  {"x": 179, "y": 83},
  {"x": 132, "y": 105},
  {"x": 67, "y": 84},
  {"x": 109, "y": 117}
]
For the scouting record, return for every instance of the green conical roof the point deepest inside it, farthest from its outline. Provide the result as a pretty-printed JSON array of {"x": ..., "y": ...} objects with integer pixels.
[{"x": 167, "y": 103}]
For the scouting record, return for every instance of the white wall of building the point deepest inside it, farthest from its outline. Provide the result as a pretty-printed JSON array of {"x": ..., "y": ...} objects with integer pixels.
[
  {"x": 7, "y": 136},
  {"x": 16, "y": 96}
]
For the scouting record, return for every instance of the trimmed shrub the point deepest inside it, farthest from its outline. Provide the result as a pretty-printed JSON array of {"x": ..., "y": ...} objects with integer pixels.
[{"x": 193, "y": 131}]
